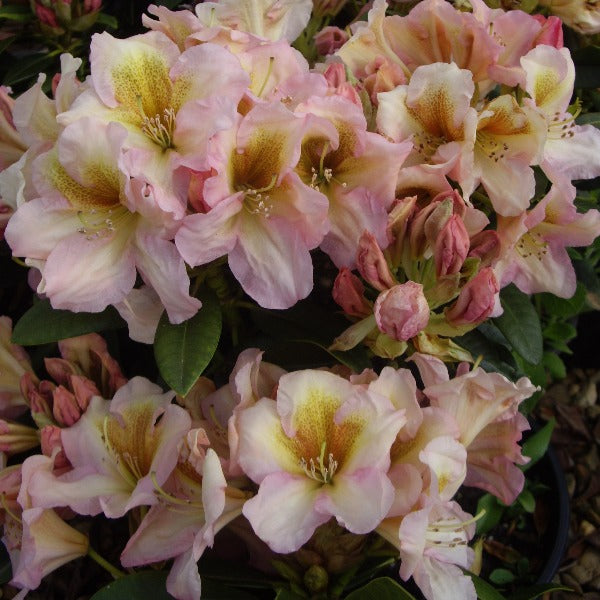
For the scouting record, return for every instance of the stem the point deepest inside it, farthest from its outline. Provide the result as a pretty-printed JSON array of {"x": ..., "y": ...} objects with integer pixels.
[{"x": 116, "y": 573}]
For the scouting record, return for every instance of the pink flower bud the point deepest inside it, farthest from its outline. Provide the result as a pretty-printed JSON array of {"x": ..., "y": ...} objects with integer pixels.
[
  {"x": 398, "y": 220},
  {"x": 451, "y": 247},
  {"x": 348, "y": 292},
  {"x": 330, "y": 39},
  {"x": 83, "y": 389},
  {"x": 91, "y": 5},
  {"x": 50, "y": 438},
  {"x": 371, "y": 263},
  {"x": 485, "y": 246},
  {"x": 551, "y": 33},
  {"x": 335, "y": 74},
  {"x": 402, "y": 311},
  {"x": 16, "y": 438},
  {"x": 476, "y": 300},
  {"x": 382, "y": 76},
  {"x": 46, "y": 15},
  {"x": 65, "y": 408}
]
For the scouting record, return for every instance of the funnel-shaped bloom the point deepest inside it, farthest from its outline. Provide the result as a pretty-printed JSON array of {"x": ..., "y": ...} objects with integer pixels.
[
  {"x": 120, "y": 450},
  {"x": 260, "y": 213},
  {"x": 320, "y": 451}
]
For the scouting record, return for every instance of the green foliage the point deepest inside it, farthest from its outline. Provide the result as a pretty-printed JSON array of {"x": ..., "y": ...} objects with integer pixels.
[
  {"x": 139, "y": 586},
  {"x": 382, "y": 588},
  {"x": 536, "y": 445},
  {"x": 42, "y": 324},
  {"x": 183, "y": 351}
]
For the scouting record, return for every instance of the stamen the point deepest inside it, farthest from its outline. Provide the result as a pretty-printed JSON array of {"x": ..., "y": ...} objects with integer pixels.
[
  {"x": 160, "y": 128},
  {"x": 426, "y": 144},
  {"x": 532, "y": 244},
  {"x": 258, "y": 203},
  {"x": 7, "y": 509},
  {"x": 101, "y": 223},
  {"x": 326, "y": 472},
  {"x": 169, "y": 497},
  {"x": 269, "y": 70},
  {"x": 491, "y": 147}
]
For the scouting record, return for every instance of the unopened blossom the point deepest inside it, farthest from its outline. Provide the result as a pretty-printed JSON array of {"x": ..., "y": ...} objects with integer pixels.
[
  {"x": 382, "y": 75},
  {"x": 434, "y": 111},
  {"x": 348, "y": 292},
  {"x": 534, "y": 255},
  {"x": 372, "y": 264},
  {"x": 16, "y": 438},
  {"x": 317, "y": 452},
  {"x": 262, "y": 216},
  {"x": 14, "y": 363},
  {"x": 273, "y": 20},
  {"x": 571, "y": 151},
  {"x": 475, "y": 301},
  {"x": 402, "y": 311},
  {"x": 329, "y": 39},
  {"x": 451, "y": 247},
  {"x": 120, "y": 450},
  {"x": 11, "y": 144},
  {"x": 581, "y": 15}
]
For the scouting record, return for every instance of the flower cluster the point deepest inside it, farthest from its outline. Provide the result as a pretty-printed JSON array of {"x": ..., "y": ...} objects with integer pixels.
[
  {"x": 290, "y": 451},
  {"x": 210, "y": 172}
]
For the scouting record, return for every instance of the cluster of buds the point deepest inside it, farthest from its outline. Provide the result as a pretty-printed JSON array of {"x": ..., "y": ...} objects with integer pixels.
[
  {"x": 59, "y": 16},
  {"x": 434, "y": 280}
]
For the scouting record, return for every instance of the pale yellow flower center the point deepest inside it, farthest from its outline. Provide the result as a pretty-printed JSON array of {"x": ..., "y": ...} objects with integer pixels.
[{"x": 532, "y": 244}]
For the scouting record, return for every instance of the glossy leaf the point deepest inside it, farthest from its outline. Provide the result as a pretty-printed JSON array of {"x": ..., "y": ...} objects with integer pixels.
[
  {"x": 382, "y": 588},
  {"x": 42, "y": 324},
  {"x": 485, "y": 591},
  {"x": 502, "y": 576},
  {"x": 536, "y": 445},
  {"x": 183, "y": 351},
  {"x": 555, "y": 365},
  {"x": 493, "y": 513},
  {"x": 139, "y": 586},
  {"x": 520, "y": 324}
]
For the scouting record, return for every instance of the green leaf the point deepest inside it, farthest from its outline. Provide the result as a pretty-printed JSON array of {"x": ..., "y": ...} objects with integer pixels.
[
  {"x": 109, "y": 21},
  {"x": 285, "y": 594},
  {"x": 42, "y": 324},
  {"x": 592, "y": 118},
  {"x": 535, "y": 591},
  {"x": 382, "y": 588},
  {"x": 16, "y": 13},
  {"x": 502, "y": 576},
  {"x": 536, "y": 445},
  {"x": 212, "y": 590},
  {"x": 485, "y": 591},
  {"x": 183, "y": 351},
  {"x": 560, "y": 331},
  {"x": 555, "y": 365},
  {"x": 527, "y": 501},
  {"x": 520, "y": 324},
  {"x": 28, "y": 67},
  {"x": 493, "y": 513},
  {"x": 139, "y": 586}
]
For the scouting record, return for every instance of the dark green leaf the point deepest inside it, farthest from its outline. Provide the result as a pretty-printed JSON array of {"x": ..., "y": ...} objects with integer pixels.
[
  {"x": 535, "y": 591},
  {"x": 527, "y": 501},
  {"x": 285, "y": 594},
  {"x": 241, "y": 575},
  {"x": 6, "y": 42},
  {"x": 28, "y": 67},
  {"x": 484, "y": 590},
  {"x": 536, "y": 372},
  {"x": 587, "y": 76},
  {"x": 493, "y": 513},
  {"x": 16, "y": 13},
  {"x": 108, "y": 21},
  {"x": 560, "y": 331},
  {"x": 42, "y": 324},
  {"x": 382, "y": 588},
  {"x": 555, "y": 365},
  {"x": 212, "y": 590},
  {"x": 502, "y": 576},
  {"x": 536, "y": 445},
  {"x": 589, "y": 119},
  {"x": 139, "y": 586},
  {"x": 183, "y": 351},
  {"x": 520, "y": 324}
]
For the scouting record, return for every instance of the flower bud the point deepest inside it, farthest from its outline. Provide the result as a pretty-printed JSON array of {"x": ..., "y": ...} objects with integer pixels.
[
  {"x": 451, "y": 247},
  {"x": 398, "y": 220},
  {"x": 371, "y": 263},
  {"x": 16, "y": 438},
  {"x": 50, "y": 441},
  {"x": 65, "y": 408},
  {"x": 382, "y": 76},
  {"x": 551, "y": 33},
  {"x": 330, "y": 39},
  {"x": 348, "y": 292},
  {"x": 476, "y": 299},
  {"x": 402, "y": 311},
  {"x": 485, "y": 246}
]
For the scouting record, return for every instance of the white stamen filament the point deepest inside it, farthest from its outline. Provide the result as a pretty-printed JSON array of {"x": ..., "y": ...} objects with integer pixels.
[
  {"x": 159, "y": 128},
  {"x": 325, "y": 472}
]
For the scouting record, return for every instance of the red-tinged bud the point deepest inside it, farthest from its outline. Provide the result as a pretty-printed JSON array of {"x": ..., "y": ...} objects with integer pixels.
[
  {"x": 51, "y": 442},
  {"x": 486, "y": 247},
  {"x": 475, "y": 301},
  {"x": 330, "y": 39},
  {"x": 398, "y": 221},
  {"x": 16, "y": 438},
  {"x": 46, "y": 15},
  {"x": 348, "y": 292},
  {"x": 551, "y": 33},
  {"x": 382, "y": 76},
  {"x": 91, "y": 5},
  {"x": 451, "y": 247},
  {"x": 402, "y": 311},
  {"x": 371, "y": 263},
  {"x": 65, "y": 408},
  {"x": 84, "y": 390}
]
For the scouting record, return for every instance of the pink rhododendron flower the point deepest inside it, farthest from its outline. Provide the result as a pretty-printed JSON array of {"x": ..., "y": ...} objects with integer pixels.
[
  {"x": 571, "y": 151},
  {"x": 402, "y": 311},
  {"x": 434, "y": 112},
  {"x": 261, "y": 214},
  {"x": 11, "y": 144},
  {"x": 14, "y": 363},
  {"x": 316, "y": 453},
  {"x": 120, "y": 450},
  {"x": 534, "y": 255}
]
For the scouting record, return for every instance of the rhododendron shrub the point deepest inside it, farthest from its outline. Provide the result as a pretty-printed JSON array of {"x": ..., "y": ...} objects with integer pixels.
[{"x": 310, "y": 236}]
